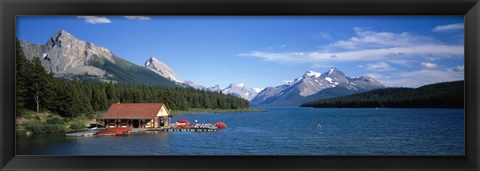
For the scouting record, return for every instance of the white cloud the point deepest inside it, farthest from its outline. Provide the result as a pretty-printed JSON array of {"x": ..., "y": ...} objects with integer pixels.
[
  {"x": 380, "y": 66},
  {"x": 377, "y": 76},
  {"x": 368, "y": 46},
  {"x": 95, "y": 19},
  {"x": 429, "y": 65},
  {"x": 426, "y": 76},
  {"x": 459, "y": 68},
  {"x": 450, "y": 27},
  {"x": 380, "y": 54},
  {"x": 369, "y": 39},
  {"x": 419, "y": 78},
  {"x": 403, "y": 62},
  {"x": 283, "y": 46},
  {"x": 137, "y": 17}
]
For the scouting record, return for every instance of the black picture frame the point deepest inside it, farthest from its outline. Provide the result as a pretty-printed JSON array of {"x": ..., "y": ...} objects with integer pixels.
[{"x": 11, "y": 8}]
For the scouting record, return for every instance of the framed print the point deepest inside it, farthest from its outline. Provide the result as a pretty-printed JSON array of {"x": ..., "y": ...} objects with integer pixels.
[{"x": 240, "y": 85}]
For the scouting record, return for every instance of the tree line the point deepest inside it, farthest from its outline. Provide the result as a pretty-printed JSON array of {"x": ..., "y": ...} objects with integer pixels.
[
  {"x": 440, "y": 95},
  {"x": 38, "y": 90}
]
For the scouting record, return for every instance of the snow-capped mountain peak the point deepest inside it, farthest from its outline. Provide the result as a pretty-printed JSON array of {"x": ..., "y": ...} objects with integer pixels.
[
  {"x": 258, "y": 90},
  {"x": 333, "y": 71},
  {"x": 242, "y": 91},
  {"x": 311, "y": 73}
]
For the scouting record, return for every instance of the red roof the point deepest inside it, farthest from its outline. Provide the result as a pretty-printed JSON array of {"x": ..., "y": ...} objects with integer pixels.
[{"x": 133, "y": 111}]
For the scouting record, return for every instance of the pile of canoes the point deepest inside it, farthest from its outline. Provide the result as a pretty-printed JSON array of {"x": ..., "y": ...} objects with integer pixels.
[
  {"x": 186, "y": 125},
  {"x": 114, "y": 131}
]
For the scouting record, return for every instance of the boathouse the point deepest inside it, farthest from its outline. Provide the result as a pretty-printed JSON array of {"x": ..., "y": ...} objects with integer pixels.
[{"x": 136, "y": 115}]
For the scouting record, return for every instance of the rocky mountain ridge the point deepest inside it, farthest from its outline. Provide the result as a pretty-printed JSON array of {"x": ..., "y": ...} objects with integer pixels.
[
  {"x": 68, "y": 57},
  {"x": 314, "y": 86}
]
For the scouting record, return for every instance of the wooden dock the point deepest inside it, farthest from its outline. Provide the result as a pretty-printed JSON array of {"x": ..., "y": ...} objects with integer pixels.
[
  {"x": 184, "y": 129},
  {"x": 193, "y": 128},
  {"x": 130, "y": 131}
]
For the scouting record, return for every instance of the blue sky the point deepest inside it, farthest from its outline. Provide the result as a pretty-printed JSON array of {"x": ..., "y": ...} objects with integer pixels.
[{"x": 261, "y": 51}]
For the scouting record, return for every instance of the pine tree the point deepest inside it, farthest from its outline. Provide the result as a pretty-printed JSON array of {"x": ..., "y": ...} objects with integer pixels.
[
  {"x": 38, "y": 84},
  {"x": 22, "y": 78}
]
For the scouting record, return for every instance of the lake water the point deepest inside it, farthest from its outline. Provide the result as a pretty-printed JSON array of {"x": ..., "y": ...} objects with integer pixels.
[{"x": 282, "y": 131}]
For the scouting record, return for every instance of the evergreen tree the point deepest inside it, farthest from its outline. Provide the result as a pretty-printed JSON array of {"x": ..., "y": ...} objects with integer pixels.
[
  {"x": 40, "y": 80},
  {"x": 22, "y": 78}
]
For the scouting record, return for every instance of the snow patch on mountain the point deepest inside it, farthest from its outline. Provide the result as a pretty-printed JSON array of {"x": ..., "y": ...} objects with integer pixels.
[
  {"x": 329, "y": 80},
  {"x": 258, "y": 90},
  {"x": 312, "y": 74},
  {"x": 161, "y": 69}
]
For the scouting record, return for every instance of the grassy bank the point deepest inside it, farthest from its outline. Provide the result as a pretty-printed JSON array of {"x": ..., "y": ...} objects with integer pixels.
[
  {"x": 46, "y": 122},
  {"x": 205, "y": 110}
]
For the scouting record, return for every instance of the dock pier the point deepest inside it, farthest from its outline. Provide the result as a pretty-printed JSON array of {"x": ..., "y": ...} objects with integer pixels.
[
  {"x": 185, "y": 129},
  {"x": 130, "y": 131}
]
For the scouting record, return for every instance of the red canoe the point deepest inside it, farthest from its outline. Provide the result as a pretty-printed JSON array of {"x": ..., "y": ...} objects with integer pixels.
[
  {"x": 220, "y": 125},
  {"x": 183, "y": 122}
]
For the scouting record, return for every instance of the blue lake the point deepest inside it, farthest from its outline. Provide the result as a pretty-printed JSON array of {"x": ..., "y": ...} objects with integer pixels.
[{"x": 282, "y": 131}]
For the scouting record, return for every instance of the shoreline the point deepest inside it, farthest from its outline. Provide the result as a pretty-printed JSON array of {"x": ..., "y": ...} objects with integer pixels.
[
  {"x": 35, "y": 123},
  {"x": 207, "y": 110}
]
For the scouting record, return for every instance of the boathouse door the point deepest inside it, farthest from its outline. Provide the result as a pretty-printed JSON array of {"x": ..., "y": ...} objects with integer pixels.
[
  {"x": 161, "y": 121},
  {"x": 136, "y": 124}
]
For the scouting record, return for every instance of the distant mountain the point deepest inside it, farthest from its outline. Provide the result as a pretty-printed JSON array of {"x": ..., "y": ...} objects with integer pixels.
[
  {"x": 440, "y": 95},
  {"x": 240, "y": 90},
  {"x": 188, "y": 83},
  {"x": 68, "y": 57},
  {"x": 267, "y": 96},
  {"x": 314, "y": 86},
  {"x": 215, "y": 88},
  {"x": 161, "y": 69}
]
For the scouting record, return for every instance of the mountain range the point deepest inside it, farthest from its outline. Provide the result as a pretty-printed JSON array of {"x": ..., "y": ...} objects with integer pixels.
[
  {"x": 239, "y": 90},
  {"x": 315, "y": 86},
  {"x": 68, "y": 57},
  {"x": 162, "y": 69}
]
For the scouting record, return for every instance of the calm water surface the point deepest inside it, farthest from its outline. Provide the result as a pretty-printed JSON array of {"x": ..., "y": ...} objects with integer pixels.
[{"x": 282, "y": 131}]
